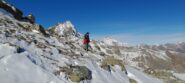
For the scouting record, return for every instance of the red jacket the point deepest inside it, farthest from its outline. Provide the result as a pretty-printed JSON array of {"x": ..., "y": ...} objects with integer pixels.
[{"x": 86, "y": 39}]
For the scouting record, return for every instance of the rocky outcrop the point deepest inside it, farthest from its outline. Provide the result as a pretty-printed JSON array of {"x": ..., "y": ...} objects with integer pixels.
[
  {"x": 41, "y": 29},
  {"x": 76, "y": 73},
  {"x": 11, "y": 9},
  {"x": 66, "y": 29},
  {"x": 31, "y": 18},
  {"x": 17, "y": 13},
  {"x": 52, "y": 31}
]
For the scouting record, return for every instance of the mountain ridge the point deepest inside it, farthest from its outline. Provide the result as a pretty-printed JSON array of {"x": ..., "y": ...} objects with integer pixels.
[{"x": 56, "y": 55}]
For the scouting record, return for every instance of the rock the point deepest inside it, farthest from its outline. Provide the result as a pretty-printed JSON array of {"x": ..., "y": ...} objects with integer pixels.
[
  {"x": 7, "y": 34},
  {"x": 132, "y": 81},
  {"x": 84, "y": 72},
  {"x": 31, "y": 18},
  {"x": 102, "y": 54},
  {"x": 41, "y": 29},
  {"x": 35, "y": 41},
  {"x": 11, "y": 9},
  {"x": 17, "y": 14},
  {"x": 76, "y": 73},
  {"x": 25, "y": 27},
  {"x": 66, "y": 29},
  {"x": 20, "y": 50},
  {"x": 52, "y": 30}
]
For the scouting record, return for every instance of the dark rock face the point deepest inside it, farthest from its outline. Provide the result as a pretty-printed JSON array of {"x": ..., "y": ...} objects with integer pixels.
[
  {"x": 20, "y": 50},
  {"x": 17, "y": 14},
  {"x": 31, "y": 18},
  {"x": 41, "y": 29},
  {"x": 11, "y": 9}
]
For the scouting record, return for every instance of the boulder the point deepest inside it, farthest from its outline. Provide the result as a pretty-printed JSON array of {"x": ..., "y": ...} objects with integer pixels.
[
  {"x": 31, "y": 18},
  {"x": 20, "y": 50},
  {"x": 52, "y": 31},
  {"x": 76, "y": 73},
  {"x": 41, "y": 29},
  {"x": 83, "y": 72}
]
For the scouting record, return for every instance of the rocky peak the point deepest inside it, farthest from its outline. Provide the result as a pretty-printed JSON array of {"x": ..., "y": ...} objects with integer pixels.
[{"x": 65, "y": 29}]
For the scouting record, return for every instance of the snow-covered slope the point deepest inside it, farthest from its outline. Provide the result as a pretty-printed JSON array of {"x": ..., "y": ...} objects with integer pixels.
[
  {"x": 28, "y": 56},
  {"x": 18, "y": 68}
]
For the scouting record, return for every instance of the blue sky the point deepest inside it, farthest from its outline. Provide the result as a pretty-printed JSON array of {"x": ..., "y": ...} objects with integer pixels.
[{"x": 132, "y": 21}]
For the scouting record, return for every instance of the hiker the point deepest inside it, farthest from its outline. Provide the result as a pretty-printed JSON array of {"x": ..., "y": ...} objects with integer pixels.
[{"x": 86, "y": 41}]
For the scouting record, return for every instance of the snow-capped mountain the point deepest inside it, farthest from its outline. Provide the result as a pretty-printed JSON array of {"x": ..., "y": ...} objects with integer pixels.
[
  {"x": 65, "y": 29},
  {"x": 43, "y": 59},
  {"x": 113, "y": 42},
  {"x": 30, "y": 54}
]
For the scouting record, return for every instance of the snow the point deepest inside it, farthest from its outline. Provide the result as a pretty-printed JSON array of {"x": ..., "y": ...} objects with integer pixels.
[
  {"x": 4, "y": 51},
  {"x": 65, "y": 29},
  {"x": 140, "y": 77},
  {"x": 180, "y": 75},
  {"x": 35, "y": 31},
  {"x": 101, "y": 76},
  {"x": 159, "y": 54},
  {"x": 17, "y": 68},
  {"x": 40, "y": 60}
]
